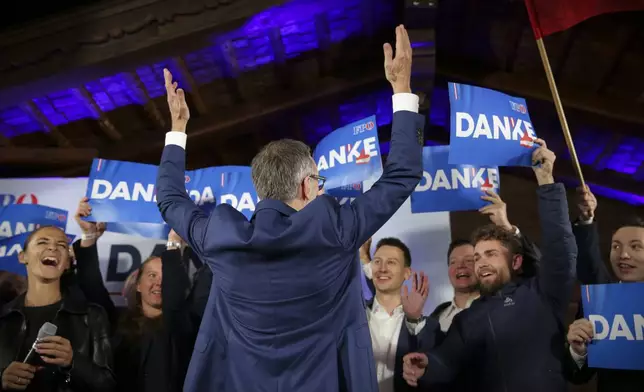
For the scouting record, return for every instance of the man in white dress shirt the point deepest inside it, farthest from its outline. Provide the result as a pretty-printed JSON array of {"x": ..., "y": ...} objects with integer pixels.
[{"x": 395, "y": 313}]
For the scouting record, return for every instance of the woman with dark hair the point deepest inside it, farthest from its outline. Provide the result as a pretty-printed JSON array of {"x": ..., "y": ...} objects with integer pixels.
[
  {"x": 78, "y": 355},
  {"x": 154, "y": 335}
]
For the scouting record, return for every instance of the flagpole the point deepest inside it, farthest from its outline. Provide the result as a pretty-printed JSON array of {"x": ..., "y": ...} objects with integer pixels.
[{"x": 560, "y": 110}]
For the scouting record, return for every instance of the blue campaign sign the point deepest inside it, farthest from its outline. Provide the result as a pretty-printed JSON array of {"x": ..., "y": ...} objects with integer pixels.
[
  {"x": 617, "y": 314},
  {"x": 17, "y": 219},
  {"x": 350, "y": 155},
  {"x": 124, "y": 192},
  {"x": 448, "y": 187},
  {"x": 489, "y": 128},
  {"x": 11, "y": 247}
]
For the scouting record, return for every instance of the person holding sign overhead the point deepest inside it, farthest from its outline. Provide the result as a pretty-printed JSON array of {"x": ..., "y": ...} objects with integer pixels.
[
  {"x": 627, "y": 262},
  {"x": 510, "y": 339},
  {"x": 270, "y": 323}
]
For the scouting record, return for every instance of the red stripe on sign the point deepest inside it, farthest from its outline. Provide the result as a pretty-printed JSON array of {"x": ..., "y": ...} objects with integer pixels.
[
  {"x": 100, "y": 163},
  {"x": 587, "y": 294},
  {"x": 222, "y": 179},
  {"x": 455, "y": 91}
]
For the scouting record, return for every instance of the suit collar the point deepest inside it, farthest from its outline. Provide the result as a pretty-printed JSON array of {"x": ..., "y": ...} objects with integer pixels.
[{"x": 276, "y": 205}]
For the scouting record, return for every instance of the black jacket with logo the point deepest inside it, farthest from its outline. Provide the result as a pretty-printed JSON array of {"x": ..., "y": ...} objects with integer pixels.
[{"x": 513, "y": 341}]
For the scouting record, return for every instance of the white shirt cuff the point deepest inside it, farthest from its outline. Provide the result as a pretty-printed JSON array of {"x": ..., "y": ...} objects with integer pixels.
[
  {"x": 586, "y": 222},
  {"x": 580, "y": 360},
  {"x": 405, "y": 101},
  {"x": 366, "y": 268},
  {"x": 517, "y": 232},
  {"x": 415, "y": 329},
  {"x": 176, "y": 138}
]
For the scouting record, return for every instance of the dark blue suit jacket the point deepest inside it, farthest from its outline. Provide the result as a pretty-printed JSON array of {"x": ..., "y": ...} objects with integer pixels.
[{"x": 285, "y": 311}]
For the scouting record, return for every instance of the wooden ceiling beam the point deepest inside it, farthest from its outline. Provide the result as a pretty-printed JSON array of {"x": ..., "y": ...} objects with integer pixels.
[
  {"x": 106, "y": 125},
  {"x": 627, "y": 36},
  {"x": 569, "y": 40},
  {"x": 529, "y": 86},
  {"x": 230, "y": 67},
  {"x": 193, "y": 87},
  {"x": 5, "y": 141},
  {"x": 151, "y": 108},
  {"x": 323, "y": 35},
  {"x": 46, "y": 156},
  {"x": 52, "y": 130},
  {"x": 281, "y": 66},
  {"x": 236, "y": 118}
]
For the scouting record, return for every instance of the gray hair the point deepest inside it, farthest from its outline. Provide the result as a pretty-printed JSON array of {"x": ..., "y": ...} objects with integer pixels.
[{"x": 279, "y": 168}]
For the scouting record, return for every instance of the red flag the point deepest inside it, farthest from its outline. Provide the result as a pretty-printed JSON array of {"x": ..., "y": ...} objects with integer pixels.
[{"x": 550, "y": 16}]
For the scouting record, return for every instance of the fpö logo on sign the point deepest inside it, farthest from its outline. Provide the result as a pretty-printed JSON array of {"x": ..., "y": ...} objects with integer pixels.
[
  {"x": 25, "y": 198},
  {"x": 366, "y": 126},
  {"x": 518, "y": 107}
]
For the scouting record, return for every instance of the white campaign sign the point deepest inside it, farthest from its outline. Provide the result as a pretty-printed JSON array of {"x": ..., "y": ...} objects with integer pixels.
[
  {"x": 427, "y": 236},
  {"x": 119, "y": 253}
]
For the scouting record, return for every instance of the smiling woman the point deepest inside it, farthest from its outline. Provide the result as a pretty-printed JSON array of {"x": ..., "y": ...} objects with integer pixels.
[{"x": 50, "y": 363}]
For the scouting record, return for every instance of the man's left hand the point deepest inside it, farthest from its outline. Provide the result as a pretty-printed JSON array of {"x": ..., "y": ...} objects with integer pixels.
[
  {"x": 55, "y": 350},
  {"x": 414, "y": 301},
  {"x": 543, "y": 162}
]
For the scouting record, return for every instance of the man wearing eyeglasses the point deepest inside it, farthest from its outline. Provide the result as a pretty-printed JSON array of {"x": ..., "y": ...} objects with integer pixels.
[{"x": 285, "y": 311}]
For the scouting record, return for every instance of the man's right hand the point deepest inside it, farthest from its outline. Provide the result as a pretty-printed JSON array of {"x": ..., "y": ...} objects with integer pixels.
[
  {"x": 580, "y": 333},
  {"x": 17, "y": 376},
  {"x": 414, "y": 365},
  {"x": 398, "y": 69},
  {"x": 586, "y": 203}
]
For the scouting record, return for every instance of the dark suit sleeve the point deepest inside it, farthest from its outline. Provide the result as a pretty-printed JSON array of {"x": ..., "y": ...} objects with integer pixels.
[
  {"x": 177, "y": 208},
  {"x": 95, "y": 374},
  {"x": 590, "y": 266},
  {"x": 175, "y": 286},
  {"x": 90, "y": 280},
  {"x": 446, "y": 360},
  {"x": 556, "y": 275},
  {"x": 532, "y": 256},
  {"x": 200, "y": 292},
  {"x": 359, "y": 220},
  {"x": 429, "y": 337}
]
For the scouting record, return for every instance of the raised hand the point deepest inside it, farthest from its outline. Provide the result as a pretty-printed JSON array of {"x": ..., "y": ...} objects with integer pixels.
[
  {"x": 580, "y": 333},
  {"x": 414, "y": 301},
  {"x": 543, "y": 162},
  {"x": 365, "y": 255},
  {"x": 414, "y": 365},
  {"x": 398, "y": 69},
  {"x": 179, "y": 112},
  {"x": 586, "y": 203},
  {"x": 92, "y": 230},
  {"x": 497, "y": 211}
]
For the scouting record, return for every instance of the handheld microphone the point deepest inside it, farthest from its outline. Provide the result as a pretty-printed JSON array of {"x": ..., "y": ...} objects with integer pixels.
[{"x": 47, "y": 329}]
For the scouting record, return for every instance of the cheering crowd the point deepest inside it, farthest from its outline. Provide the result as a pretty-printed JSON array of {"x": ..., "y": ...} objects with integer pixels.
[{"x": 278, "y": 305}]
